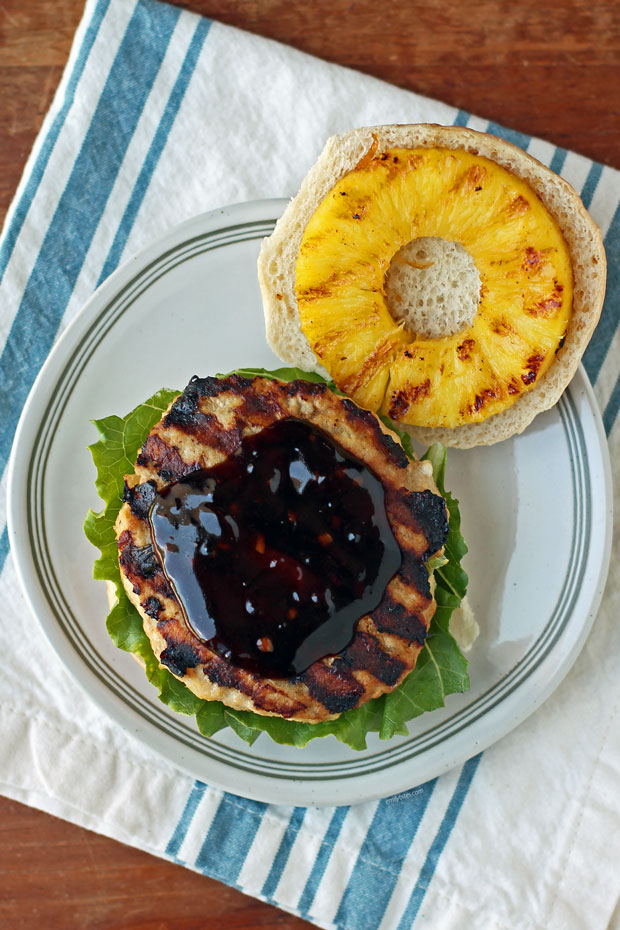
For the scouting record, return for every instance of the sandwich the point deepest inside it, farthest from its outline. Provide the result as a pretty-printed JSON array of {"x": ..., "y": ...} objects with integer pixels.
[{"x": 279, "y": 559}]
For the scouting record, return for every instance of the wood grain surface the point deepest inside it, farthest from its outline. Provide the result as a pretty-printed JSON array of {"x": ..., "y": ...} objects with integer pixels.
[{"x": 548, "y": 69}]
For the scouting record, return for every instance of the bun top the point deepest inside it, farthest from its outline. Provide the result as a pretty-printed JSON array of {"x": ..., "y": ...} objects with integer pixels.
[{"x": 279, "y": 254}]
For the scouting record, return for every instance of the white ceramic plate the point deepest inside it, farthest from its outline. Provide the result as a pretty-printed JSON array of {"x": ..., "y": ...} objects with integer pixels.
[{"x": 536, "y": 514}]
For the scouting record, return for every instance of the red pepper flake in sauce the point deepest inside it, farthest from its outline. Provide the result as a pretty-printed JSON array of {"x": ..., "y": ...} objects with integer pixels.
[{"x": 265, "y": 644}]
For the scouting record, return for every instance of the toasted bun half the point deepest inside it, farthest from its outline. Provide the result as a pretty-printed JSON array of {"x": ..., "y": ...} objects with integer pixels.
[{"x": 278, "y": 256}]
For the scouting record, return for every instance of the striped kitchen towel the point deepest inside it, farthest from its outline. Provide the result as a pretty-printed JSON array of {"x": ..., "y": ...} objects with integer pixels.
[{"x": 160, "y": 115}]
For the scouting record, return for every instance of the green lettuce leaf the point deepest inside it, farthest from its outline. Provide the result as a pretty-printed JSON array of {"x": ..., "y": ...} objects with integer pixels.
[
  {"x": 441, "y": 668},
  {"x": 278, "y": 374}
]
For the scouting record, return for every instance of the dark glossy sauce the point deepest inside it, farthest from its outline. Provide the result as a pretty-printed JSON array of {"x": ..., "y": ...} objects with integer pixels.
[{"x": 275, "y": 553}]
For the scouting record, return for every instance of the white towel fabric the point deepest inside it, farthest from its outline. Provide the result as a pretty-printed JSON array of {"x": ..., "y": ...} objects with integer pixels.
[{"x": 161, "y": 115}]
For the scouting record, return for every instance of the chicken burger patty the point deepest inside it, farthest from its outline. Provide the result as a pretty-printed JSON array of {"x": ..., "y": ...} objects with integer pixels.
[{"x": 274, "y": 539}]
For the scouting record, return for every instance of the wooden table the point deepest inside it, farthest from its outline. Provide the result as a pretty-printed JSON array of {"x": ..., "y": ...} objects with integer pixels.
[{"x": 548, "y": 69}]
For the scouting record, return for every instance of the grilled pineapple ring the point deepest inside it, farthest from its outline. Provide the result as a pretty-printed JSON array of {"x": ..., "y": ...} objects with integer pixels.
[
  {"x": 399, "y": 195},
  {"x": 376, "y": 193}
]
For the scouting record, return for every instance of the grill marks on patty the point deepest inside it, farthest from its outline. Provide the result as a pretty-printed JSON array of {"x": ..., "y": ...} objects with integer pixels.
[
  {"x": 336, "y": 686},
  {"x": 393, "y": 617},
  {"x": 205, "y": 425},
  {"x": 167, "y": 460},
  {"x": 140, "y": 497},
  {"x": 355, "y": 415}
]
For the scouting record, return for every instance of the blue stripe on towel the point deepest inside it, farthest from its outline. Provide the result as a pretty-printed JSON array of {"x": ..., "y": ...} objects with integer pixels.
[
  {"x": 4, "y": 546},
  {"x": 156, "y": 148},
  {"x": 557, "y": 162},
  {"x": 509, "y": 135},
  {"x": 320, "y": 863},
  {"x": 47, "y": 147},
  {"x": 461, "y": 118},
  {"x": 77, "y": 215},
  {"x": 380, "y": 859},
  {"x": 437, "y": 846},
  {"x": 598, "y": 346},
  {"x": 229, "y": 838},
  {"x": 611, "y": 410},
  {"x": 180, "y": 831},
  {"x": 284, "y": 850},
  {"x": 590, "y": 185}
]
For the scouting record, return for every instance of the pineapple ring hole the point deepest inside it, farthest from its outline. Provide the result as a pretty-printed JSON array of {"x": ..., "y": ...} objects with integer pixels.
[{"x": 433, "y": 287}]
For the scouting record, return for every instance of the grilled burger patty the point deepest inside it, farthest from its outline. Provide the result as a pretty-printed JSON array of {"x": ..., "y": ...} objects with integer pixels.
[{"x": 206, "y": 425}]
